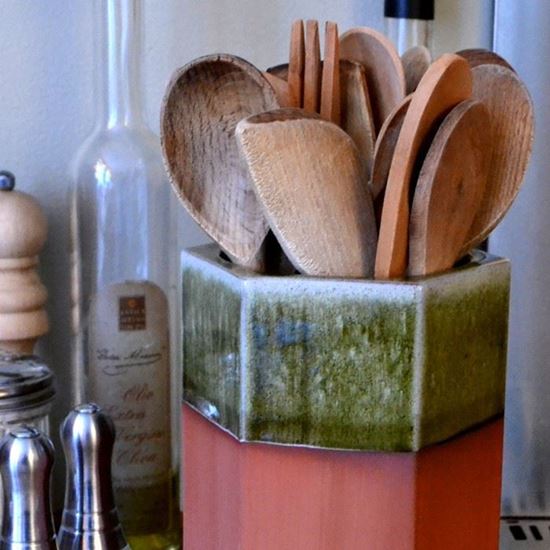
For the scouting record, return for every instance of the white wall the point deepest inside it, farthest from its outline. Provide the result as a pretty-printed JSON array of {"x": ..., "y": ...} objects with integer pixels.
[{"x": 47, "y": 108}]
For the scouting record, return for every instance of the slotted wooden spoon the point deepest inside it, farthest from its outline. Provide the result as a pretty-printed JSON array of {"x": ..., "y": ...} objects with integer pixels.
[
  {"x": 204, "y": 102},
  {"x": 449, "y": 189},
  {"x": 309, "y": 177},
  {"x": 446, "y": 83}
]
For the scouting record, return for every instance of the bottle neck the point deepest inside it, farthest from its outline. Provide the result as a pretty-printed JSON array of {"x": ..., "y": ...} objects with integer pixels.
[
  {"x": 119, "y": 59},
  {"x": 406, "y": 33}
]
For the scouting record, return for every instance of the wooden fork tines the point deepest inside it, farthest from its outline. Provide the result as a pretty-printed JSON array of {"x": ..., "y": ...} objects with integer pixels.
[
  {"x": 330, "y": 85},
  {"x": 307, "y": 82},
  {"x": 296, "y": 65},
  {"x": 312, "y": 68}
]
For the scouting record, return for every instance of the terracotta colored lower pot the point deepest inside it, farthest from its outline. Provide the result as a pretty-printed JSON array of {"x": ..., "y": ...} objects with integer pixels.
[{"x": 254, "y": 496}]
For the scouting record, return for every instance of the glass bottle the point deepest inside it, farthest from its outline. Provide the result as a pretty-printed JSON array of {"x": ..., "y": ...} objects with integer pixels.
[
  {"x": 121, "y": 288},
  {"x": 409, "y": 23}
]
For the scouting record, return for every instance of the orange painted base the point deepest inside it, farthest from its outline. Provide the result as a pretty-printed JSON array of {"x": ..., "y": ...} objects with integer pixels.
[{"x": 266, "y": 497}]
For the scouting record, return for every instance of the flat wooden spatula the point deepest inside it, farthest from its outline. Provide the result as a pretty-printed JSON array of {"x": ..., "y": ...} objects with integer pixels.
[{"x": 309, "y": 178}]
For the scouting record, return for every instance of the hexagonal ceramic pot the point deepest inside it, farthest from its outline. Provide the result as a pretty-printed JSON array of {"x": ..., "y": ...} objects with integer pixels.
[{"x": 340, "y": 363}]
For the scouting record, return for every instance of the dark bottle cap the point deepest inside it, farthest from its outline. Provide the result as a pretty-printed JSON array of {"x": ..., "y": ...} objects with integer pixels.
[
  {"x": 409, "y": 9},
  {"x": 7, "y": 180}
]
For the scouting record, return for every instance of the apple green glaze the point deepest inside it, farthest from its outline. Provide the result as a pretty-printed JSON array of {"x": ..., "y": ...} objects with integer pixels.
[
  {"x": 211, "y": 352},
  {"x": 344, "y": 364},
  {"x": 337, "y": 378}
]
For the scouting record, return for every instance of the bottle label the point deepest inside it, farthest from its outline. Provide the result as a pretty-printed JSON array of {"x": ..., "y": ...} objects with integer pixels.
[{"x": 129, "y": 377}]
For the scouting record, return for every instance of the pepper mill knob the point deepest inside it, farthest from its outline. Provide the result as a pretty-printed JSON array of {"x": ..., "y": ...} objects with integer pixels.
[
  {"x": 90, "y": 518},
  {"x": 26, "y": 460},
  {"x": 22, "y": 295}
]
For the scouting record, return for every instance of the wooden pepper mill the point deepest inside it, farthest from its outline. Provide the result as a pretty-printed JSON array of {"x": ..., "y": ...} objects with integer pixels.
[{"x": 22, "y": 295}]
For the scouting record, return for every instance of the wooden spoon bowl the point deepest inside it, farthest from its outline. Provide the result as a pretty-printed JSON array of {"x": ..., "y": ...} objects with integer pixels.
[
  {"x": 446, "y": 83},
  {"x": 385, "y": 76},
  {"x": 449, "y": 189},
  {"x": 204, "y": 102},
  {"x": 481, "y": 56},
  {"x": 511, "y": 110}
]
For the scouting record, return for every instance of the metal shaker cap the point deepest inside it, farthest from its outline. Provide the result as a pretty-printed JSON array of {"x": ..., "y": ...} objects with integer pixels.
[
  {"x": 90, "y": 518},
  {"x": 24, "y": 382},
  {"x": 26, "y": 460}
]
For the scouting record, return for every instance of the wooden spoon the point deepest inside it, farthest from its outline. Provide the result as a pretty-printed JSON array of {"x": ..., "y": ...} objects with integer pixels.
[
  {"x": 203, "y": 103},
  {"x": 383, "y": 67},
  {"x": 480, "y": 56},
  {"x": 296, "y": 64},
  {"x": 330, "y": 82},
  {"x": 280, "y": 87},
  {"x": 511, "y": 110},
  {"x": 355, "y": 109},
  {"x": 312, "y": 71},
  {"x": 416, "y": 61},
  {"x": 449, "y": 189},
  {"x": 446, "y": 83},
  {"x": 308, "y": 175},
  {"x": 280, "y": 71},
  {"x": 385, "y": 147}
]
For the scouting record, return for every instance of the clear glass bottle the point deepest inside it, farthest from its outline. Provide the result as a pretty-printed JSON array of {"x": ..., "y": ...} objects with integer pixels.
[
  {"x": 409, "y": 23},
  {"x": 121, "y": 288}
]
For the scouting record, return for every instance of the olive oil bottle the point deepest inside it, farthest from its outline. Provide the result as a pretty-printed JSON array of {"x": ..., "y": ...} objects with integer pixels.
[{"x": 121, "y": 288}]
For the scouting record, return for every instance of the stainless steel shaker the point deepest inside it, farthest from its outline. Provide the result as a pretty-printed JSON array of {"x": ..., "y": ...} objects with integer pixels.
[
  {"x": 26, "y": 460},
  {"x": 90, "y": 519}
]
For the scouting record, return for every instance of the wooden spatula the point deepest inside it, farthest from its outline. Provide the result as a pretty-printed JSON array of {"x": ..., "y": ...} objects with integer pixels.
[
  {"x": 511, "y": 110},
  {"x": 356, "y": 113},
  {"x": 308, "y": 175},
  {"x": 203, "y": 103},
  {"x": 383, "y": 67},
  {"x": 446, "y": 83},
  {"x": 330, "y": 82},
  {"x": 449, "y": 189}
]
